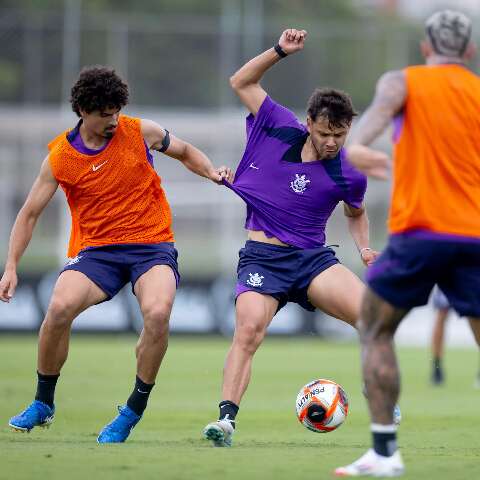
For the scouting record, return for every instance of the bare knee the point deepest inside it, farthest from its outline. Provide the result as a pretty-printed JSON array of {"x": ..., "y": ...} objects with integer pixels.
[
  {"x": 156, "y": 320},
  {"x": 60, "y": 314},
  {"x": 249, "y": 333}
]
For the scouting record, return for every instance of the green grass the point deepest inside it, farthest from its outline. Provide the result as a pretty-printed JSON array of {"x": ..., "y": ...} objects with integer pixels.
[{"x": 439, "y": 436}]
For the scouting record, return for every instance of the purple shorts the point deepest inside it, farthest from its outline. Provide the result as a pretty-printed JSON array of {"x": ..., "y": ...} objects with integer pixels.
[
  {"x": 111, "y": 267},
  {"x": 285, "y": 273},
  {"x": 406, "y": 272}
]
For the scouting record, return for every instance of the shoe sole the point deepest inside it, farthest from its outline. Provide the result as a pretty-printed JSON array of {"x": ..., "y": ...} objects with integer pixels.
[
  {"x": 216, "y": 435},
  {"x": 46, "y": 424},
  {"x": 102, "y": 442},
  {"x": 109, "y": 442},
  {"x": 395, "y": 473}
]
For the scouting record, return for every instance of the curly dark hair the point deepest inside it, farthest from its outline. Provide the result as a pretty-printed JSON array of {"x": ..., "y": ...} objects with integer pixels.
[
  {"x": 98, "y": 88},
  {"x": 332, "y": 104}
]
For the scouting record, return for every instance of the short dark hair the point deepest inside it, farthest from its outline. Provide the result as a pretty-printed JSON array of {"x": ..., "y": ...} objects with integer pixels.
[
  {"x": 336, "y": 106},
  {"x": 98, "y": 88}
]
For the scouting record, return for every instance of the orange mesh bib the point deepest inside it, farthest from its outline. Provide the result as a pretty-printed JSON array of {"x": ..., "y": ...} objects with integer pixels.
[
  {"x": 115, "y": 197},
  {"x": 437, "y": 156}
]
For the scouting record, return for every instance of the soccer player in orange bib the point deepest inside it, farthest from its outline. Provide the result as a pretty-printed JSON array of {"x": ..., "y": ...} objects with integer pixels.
[
  {"x": 121, "y": 232},
  {"x": 434, "y": 219}
]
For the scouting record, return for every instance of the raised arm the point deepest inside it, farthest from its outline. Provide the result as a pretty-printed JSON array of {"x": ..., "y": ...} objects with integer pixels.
[
  {"x": 389, "y": 99},
  {"x": 40, "y": 194},
  {"x": 246, "y": 81},
  {"x": 195, "y": 160}
]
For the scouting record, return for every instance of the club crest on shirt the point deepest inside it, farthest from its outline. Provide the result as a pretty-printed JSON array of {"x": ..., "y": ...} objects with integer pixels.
[
  {"x": 255, "y": 280},
  {"x": 74, "y": 260},
  {"x": 299, "y": 184}
]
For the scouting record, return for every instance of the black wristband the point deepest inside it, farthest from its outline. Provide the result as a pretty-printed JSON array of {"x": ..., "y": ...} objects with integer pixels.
[
  {"x": 280, "y": 51},
  {"x": 165, "y": 141}
]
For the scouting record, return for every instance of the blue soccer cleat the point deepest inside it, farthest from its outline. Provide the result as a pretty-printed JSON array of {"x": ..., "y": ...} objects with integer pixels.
[
  {"x": 118, "y": 430},
  {"x": 37, "y": 414}
]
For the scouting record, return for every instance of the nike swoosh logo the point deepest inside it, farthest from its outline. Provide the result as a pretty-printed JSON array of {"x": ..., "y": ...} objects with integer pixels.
[
  {"x": 253, "y": 166},
  {"x": 139, "y": 391},
  {"x": 96, "y": 167}
]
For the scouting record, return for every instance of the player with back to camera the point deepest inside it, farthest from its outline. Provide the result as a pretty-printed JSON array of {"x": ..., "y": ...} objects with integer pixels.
[
  {"x": 291, "y": 177},
  {"x": 434, "y": 219},
  {"x": 121, "y": 232}
]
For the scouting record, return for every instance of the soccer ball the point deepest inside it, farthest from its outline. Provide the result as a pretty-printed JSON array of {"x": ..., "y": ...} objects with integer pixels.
[{"x": 322, "y": 406}]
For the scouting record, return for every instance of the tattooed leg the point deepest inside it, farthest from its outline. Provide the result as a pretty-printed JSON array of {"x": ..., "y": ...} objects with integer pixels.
[{"x": 378, "y": 323}]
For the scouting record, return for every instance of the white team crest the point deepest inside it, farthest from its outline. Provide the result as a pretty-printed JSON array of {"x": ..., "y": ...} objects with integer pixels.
[
  {"x": 299, "y": 185},
  {"x": 74, "y": 260},
  {"x": 255, "y": 280}
]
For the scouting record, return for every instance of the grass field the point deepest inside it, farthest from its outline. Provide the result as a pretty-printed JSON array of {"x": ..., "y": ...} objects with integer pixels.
[{"x": 439, "y": 436}]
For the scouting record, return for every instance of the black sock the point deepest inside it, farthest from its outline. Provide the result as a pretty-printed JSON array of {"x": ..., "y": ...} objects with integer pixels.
[
  {"x": 385, "y": 443},
  {"x": 46, "y": 388},
  {"x": 437, "y": 363},
  {"x": 228, "y": 410},
  {"x": 139, "y": 397}
]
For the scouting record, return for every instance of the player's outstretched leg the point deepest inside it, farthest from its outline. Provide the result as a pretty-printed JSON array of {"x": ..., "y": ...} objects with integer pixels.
[
  {"x": 118, "y": 430},
  {"x": 37, "y": 414},
  {"x": 254, "y": 312},
  {"x": 72, "y": 294}
]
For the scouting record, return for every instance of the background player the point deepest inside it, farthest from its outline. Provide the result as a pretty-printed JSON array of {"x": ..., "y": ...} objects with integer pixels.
[
  {"x": 434, "y": 218},
  {"x": 121, "y": 232},
  {"x": 442, "y": 310}
]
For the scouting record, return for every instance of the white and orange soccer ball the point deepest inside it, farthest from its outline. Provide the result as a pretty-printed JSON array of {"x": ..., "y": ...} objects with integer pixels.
[{"x": 322, "y": 406}]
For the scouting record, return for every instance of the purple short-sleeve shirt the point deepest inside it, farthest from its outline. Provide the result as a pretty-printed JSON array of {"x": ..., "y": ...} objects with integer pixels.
[{"x": 287, "y": 198}]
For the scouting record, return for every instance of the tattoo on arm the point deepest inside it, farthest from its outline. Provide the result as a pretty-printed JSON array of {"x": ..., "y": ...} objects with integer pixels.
[{"x": 390, "y": 96}]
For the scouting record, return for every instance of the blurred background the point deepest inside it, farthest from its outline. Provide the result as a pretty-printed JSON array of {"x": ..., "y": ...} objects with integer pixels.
[{"x": 177, "y": 56}]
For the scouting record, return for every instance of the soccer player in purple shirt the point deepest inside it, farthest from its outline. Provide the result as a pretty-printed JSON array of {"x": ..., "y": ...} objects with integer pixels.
[{"x": 291, "y": 176}]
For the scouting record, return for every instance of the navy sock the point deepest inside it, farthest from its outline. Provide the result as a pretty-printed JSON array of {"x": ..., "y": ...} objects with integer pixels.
[
  {"x": 46, "y": 388},
  {"x": 139, "y": 397},
  {"x": 228, "y": 410},
  {"x": 385, "y": 440}
]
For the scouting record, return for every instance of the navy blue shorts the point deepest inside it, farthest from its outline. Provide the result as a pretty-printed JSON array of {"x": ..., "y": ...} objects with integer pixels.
[
  {"x": 111, "y": 267},
  {"x": 285, "y": 273},
  {"x": 408, "y": 269}
]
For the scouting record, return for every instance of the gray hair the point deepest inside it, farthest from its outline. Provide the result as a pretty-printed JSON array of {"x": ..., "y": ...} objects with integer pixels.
[{"x": 449, "y": 32}]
